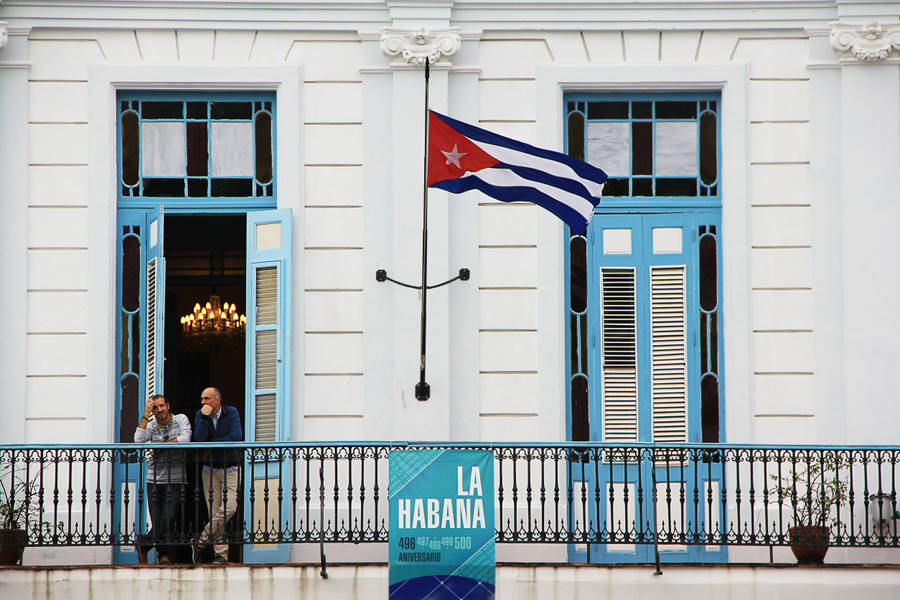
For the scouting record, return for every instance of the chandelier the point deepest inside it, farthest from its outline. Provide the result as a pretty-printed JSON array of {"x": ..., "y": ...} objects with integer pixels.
[{"x": 212, "y": 326}]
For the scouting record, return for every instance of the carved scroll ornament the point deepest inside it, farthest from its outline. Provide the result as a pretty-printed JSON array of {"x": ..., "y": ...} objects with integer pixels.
[
  {"x": 868, "y": 43},
  {"x": 415, "y": 46}
]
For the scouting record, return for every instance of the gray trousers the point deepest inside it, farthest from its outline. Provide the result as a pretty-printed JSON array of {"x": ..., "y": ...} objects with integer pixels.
[{"x": 220, "y": 489}]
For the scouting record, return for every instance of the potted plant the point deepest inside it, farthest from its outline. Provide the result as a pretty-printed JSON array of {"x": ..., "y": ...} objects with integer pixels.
[
  {"x": 19, "y": 507},
  {"x": 812, "y": 490}
]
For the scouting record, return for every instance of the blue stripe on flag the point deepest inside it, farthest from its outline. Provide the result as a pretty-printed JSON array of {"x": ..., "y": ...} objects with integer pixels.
[
  {"x": 573, "y": 218},
  {"x": 564, "y": 183}
]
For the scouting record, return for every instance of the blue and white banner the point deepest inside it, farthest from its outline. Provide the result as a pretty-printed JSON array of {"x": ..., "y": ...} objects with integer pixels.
[{"x": 441, "y": 525}]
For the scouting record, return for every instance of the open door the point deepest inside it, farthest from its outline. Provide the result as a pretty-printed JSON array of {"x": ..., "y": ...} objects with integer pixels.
[
  {"x": 140, "y": 319},
  {"x": 267, "y": 473}
]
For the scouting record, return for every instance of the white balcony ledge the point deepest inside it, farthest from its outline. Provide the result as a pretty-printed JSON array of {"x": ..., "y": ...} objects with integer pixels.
[{"x": 514, "y": 581}]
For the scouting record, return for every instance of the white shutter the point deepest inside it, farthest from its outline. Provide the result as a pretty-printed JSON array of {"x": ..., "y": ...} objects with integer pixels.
[
  {"x": 151, "y": 328},
  {"x": 668, "y": 353},
  {"x": 266, "y": 348},
  {"x": 618, "y": 338},
  {"x": 266, "y": 296}
]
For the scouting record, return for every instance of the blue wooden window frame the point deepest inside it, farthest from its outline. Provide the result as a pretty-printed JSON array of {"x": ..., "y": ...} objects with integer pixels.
[
  {"x": 700, "y": 216},
  {"x": 134, "y": 212},
  {"x": 262, "y": 194},
  {"x": 577, "y": 354}
]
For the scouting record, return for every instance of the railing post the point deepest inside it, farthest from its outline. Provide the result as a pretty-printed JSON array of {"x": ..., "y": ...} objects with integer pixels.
[
  {"x": 653, "y": 499},
  {"x": 323, "y": 572}
]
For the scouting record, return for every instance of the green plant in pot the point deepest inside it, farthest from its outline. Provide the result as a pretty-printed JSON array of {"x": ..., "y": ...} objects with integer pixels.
[
  {"x": 19, "y": 509},
  {"x": 812, "y": 490}
]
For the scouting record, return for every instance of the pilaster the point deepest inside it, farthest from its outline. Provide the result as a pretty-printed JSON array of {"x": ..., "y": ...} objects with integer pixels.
[
  {"x": 14, "y": 68},
  {"x": 394, "y": 133},
  {"x": 463, "y": 239},
  {"x": 825, "y": 197},
  {"x": 869, "y": 148}
]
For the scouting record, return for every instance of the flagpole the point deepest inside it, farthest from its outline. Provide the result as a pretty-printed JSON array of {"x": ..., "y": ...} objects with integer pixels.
[{"x": 423, "y": 390}]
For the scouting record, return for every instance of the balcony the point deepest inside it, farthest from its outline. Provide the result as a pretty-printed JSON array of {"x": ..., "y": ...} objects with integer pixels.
[{"x": 564, "y": 512}]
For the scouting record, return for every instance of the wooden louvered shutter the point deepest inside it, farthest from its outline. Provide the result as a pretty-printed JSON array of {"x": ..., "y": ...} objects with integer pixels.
[
  {"x": 668, "y": 353},
  {"x": 155, "y": 301},
  {"x": 266, "y": 348},
  {"x": 151, "y": 327},
  {"x": 268, "y": 324},
  {"x": 268, "y": 381},
  {"x": 618, "y": 340}
]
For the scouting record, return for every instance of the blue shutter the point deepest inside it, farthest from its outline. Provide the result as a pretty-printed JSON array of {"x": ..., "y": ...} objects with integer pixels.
[
  {"x": 267, "y": 489},
  {"x": 155, "y": 292},
  {"x": 140, "y": 362}
]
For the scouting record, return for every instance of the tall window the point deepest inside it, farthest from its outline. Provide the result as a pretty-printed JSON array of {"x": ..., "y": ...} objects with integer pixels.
[{"x": 644, "y": 284}]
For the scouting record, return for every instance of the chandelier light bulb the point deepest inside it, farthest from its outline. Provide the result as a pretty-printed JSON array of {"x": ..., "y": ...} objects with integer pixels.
[{"x": 213, "y": 325}]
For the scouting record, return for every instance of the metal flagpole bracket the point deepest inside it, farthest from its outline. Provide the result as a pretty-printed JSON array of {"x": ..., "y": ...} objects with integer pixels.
[
  {"x": 423, "y": 390},
  {"x": 381, "y": 275}
]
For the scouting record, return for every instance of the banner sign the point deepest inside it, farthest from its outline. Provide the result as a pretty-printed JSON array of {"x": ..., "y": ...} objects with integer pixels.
[{"x": 441, "y": 525}]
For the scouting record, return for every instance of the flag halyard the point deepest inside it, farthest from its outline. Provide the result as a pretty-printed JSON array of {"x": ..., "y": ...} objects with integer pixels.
[{"x": 463, "y": 157}]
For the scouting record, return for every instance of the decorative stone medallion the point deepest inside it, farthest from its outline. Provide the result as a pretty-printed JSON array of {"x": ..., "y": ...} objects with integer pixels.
[
  {"x": 867, "y": 43},
  {"x": 418, "y": 45}
]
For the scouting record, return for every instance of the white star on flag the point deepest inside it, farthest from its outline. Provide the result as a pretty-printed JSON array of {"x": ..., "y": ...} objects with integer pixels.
[{"x": 453, "y": 156}]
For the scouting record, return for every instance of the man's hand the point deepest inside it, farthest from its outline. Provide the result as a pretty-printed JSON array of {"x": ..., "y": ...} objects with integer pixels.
[
  {"x": 206, "y": 410},
  {"x": 148, "y": 412}
]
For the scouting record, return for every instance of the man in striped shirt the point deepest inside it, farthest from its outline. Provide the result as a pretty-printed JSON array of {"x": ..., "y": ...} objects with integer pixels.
[{"x": 165, "y": 477}]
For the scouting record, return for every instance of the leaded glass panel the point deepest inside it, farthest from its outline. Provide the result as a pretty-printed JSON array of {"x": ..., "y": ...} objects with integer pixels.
[
  {"x": 665, "y": 147},
  {"x": 199, "y": 146}
]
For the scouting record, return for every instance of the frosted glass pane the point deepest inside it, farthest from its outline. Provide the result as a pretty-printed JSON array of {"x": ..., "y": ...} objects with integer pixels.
[
  {"x": 609, "y": 147},
  {"x": 268, "y": 236},
  {"x": 154, "y": 233},
  {"x": 676, "y": 148},
  {"x": 667, "y": 240},
  {"x": 616, "y": 241},
  {"x": 231, "y": 149},
  {"x": 162, "y": 149}
]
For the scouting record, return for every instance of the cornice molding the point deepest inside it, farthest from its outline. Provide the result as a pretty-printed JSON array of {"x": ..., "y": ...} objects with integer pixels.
[
  {"x": 871, "y": 43},
  {"x": 417, "y": 45}
]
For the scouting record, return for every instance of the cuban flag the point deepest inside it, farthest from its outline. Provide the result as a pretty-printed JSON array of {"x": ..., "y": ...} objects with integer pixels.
[{"x": 463, "y": 157}]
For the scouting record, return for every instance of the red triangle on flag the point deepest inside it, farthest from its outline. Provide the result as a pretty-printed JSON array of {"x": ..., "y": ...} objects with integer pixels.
[{"x": 451, "y": 154}]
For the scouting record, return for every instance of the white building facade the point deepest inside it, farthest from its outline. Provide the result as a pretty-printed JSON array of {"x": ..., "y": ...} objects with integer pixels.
[{"x": 271, "y": 153}]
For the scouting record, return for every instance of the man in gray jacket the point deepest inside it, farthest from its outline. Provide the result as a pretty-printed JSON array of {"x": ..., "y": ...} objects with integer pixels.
[{"x": 165, "y": 477}]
